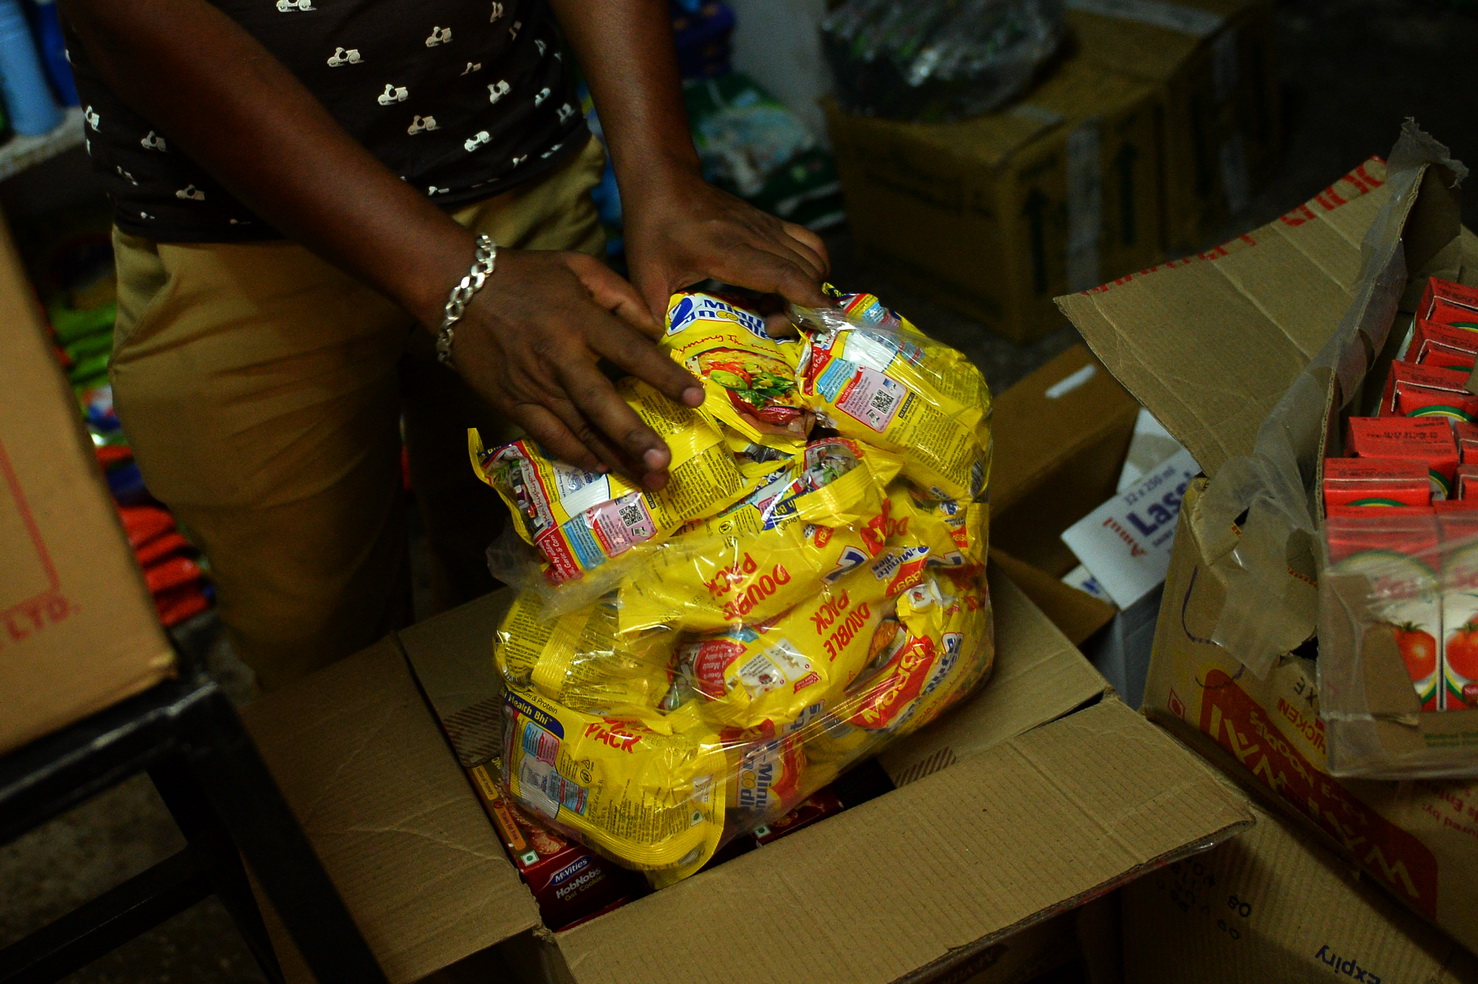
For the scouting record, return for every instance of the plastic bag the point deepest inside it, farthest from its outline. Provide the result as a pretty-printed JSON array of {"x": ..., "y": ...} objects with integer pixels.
[
  {"x": 938, "y": 60},
  {"x": 737, "y": 661}
]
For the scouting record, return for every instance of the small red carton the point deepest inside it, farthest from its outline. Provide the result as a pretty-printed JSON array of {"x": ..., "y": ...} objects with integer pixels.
[
  {"x": 1375, "y": 482},
  {"x": 1447, "y": 303},
  {"x": 1397, "y": 550},
  {"x": 1459, "y": 664},
  {"x": 1428, "y": 391},
  {"x": 1466, "y": 483},
  {"x": 1467, "y": 441},
  {"x": 1443, "y": 346},
  {"x": 570, "y": 882},
  {"x": 1428, "y": 440}
]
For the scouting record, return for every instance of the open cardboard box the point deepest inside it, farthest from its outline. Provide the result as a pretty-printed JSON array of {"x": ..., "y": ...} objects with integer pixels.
[
  {"x": 1212, "y": 345},
  {"x": 78, "y": 631},
  {"x": 1061, "y": 437},
  {"x": 1276, "y": 905},
  {"x": 1039, "y": 793}
]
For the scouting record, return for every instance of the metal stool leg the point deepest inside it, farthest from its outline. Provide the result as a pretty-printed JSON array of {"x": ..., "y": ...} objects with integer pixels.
[
  {"x": 207, "y": 834},
  {"x": 235, "y": 780}
]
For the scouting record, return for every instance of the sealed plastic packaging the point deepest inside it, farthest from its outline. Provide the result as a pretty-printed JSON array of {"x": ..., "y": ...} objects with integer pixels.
[
  {"x": 939, "y": 60},
  {"x": 824, "y": 595}
]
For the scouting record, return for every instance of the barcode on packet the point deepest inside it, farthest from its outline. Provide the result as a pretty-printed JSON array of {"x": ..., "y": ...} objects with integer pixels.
[
  {"x": 631, "y": 515},
  {"x": 540, "y": 744}
]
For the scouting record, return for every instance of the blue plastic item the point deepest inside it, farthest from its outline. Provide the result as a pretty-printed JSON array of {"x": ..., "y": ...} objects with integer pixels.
[
  {"x": 33, "y": 109},
  {"x": 47, "y": 24}
]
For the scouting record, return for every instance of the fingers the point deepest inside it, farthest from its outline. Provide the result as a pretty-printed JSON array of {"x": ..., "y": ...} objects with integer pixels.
[
  {"x": 556, "y": 437},
  {"x": 642, "y": 359},
  {"x": 614, "y": 294},
  {"x": 813, "y": 244},
  {"x": 611, "y": 428},
  {"x": 757, "y": 269}
]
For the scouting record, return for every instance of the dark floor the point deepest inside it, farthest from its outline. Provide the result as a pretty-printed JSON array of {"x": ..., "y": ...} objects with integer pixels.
[{"x": 1352, "y": 71}]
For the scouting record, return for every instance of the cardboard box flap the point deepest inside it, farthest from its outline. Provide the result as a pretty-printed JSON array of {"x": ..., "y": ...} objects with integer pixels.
[
  {"x": 390, "y": 814},
  {"x": 1238, "y": 354},
  {"x": 453, "y": 659},
  {"x": 1210, "y": 343},
  {"x": 1039, "y": 676},
  {"x": 966, "y": 845}
]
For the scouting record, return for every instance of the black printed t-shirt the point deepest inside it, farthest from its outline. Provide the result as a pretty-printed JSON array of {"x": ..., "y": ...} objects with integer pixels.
[{"x": 461, "y": 98}]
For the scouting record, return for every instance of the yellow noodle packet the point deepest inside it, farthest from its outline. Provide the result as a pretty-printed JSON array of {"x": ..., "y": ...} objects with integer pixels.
[
  {"x": 653, "y": 801},
  {"x": 577, "y": 660},
  {"x": 936, "y": 648},
  {"x": 767, "y": 552},
  {"x": 578, "y": 520},
  {"x": 763, "y": 676},
  {"x": 749, "y": 376},
  {"x": 874, "y": 377}
]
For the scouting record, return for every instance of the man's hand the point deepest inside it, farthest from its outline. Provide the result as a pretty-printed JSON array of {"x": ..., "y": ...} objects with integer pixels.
[
  {"x": 530, "y": 341},
  {"x": 683, "y": 230}
]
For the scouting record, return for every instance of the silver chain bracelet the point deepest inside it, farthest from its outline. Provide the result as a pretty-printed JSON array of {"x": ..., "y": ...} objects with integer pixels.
[{"x": 485, "y": 261}]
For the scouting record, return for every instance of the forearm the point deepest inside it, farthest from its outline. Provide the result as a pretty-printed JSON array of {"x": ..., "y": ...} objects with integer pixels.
[
  {"x": 626, "y": 51},
  {"x": 264, "y": 136}
]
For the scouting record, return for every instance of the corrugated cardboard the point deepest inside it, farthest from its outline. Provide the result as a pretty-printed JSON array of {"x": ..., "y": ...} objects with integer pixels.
[
  {"x": 77, "y": 628},
  {"x": 1210, "y": 64},
  {"x": 1212, "y": 345},
  {"x": 1059, "y": 435},
  {"x": 986, "y": 838},
  {"x": 1272, "y": 905},
  {"x": 368, "y": 774},
  {"x": 996, "y": 214},
  {"x": 1418, "y": 839}
]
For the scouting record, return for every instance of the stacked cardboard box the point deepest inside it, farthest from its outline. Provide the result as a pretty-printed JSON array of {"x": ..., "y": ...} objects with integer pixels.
[
  {"x": 1210, "y": 63},
  {"x": 997, "y": 214},
  {"x": 77, "y": 629},
  {"x": 1146, "y": 134},
  {"x": 1274, "y": 905},
  {"x": 1212, "y": 345}
]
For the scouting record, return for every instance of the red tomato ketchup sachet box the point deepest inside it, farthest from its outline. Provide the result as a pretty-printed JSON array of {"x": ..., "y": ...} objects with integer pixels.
[
  {"x": 1466, "y": 436},
  {"x": 1358, "y": 483},
  {"x": 1396, "y": 550},
  {"x": 1446, "y": 303},
  {"x": 1459, "y": 655},
  {"x": 1428, "y": 440},
  {"x": 1443, "y": 346},
  {"x": 1428, "y": 391}
]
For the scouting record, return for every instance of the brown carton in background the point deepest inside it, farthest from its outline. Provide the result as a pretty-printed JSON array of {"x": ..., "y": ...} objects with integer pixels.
[
  {"x": 996, "y": 214},
  {"x": 1016, "y": 807},
  {"x": 1211, "y": 345},
  {"x": 1210, "y": 63},
  {"x": 1060, "y": 436},
  {"x": 1272, "y": 905},
  {"x": 78, "y": 631}
]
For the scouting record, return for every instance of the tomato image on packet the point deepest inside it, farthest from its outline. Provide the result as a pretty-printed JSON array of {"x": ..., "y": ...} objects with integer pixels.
[
  {"x": 876, "y": 378},
  {"x": 749, "y": 375},
  {"x": 578, "y": 520}
]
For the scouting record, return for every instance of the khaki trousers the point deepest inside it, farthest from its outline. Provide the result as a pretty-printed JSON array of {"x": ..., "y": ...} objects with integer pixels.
[{"x": 263, "y": 391}]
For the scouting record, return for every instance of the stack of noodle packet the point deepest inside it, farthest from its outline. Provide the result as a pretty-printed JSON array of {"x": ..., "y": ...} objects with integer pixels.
[{"x": 687, "y": 665}]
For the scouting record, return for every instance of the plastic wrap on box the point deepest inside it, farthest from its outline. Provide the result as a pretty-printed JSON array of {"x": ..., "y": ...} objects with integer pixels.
[
  {"x": 939, "y": 60},
  {"x": 699, "y": 681},
  {"x": 1398, "y": 642}
]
